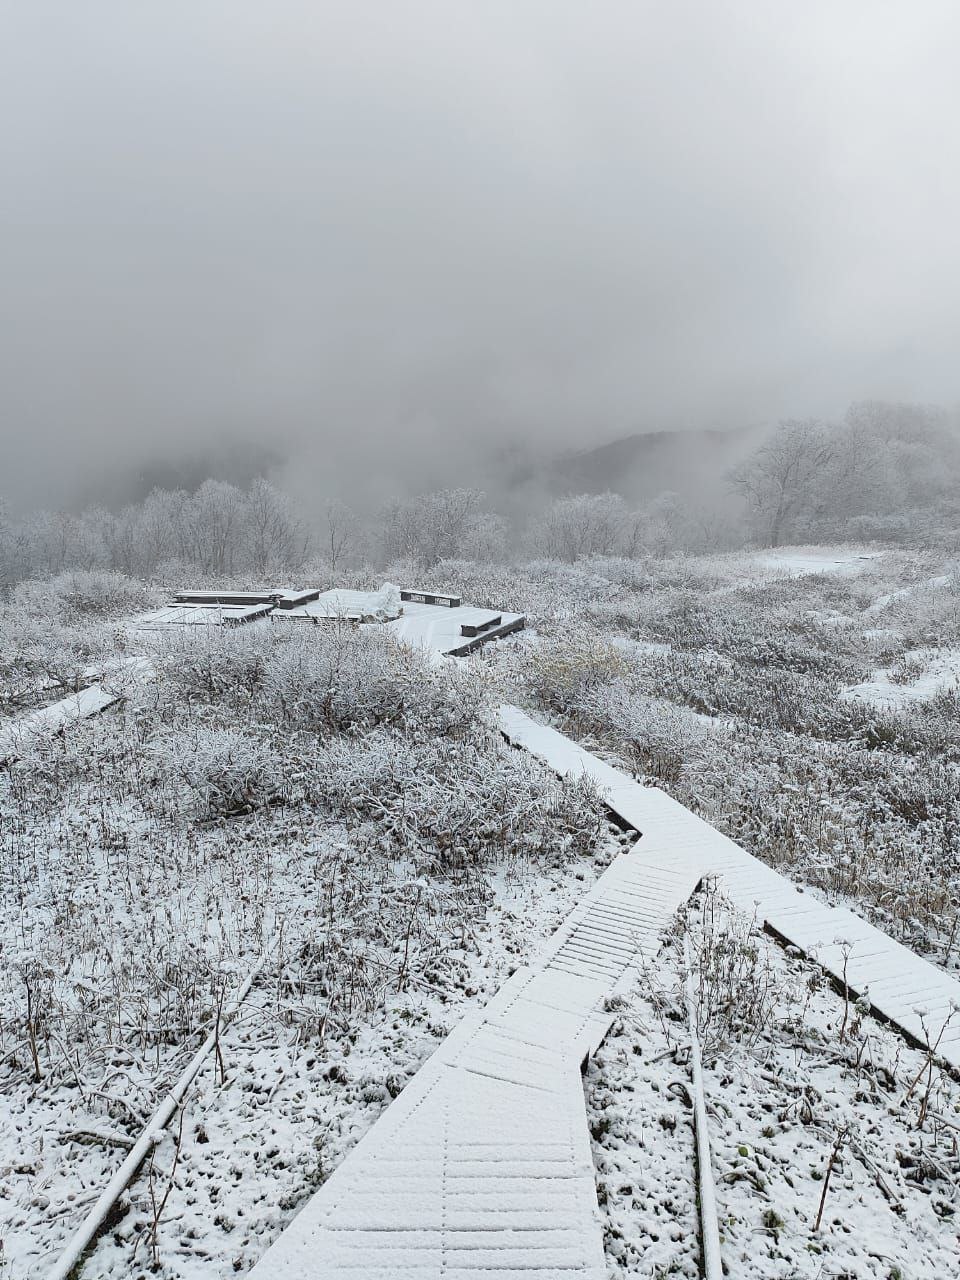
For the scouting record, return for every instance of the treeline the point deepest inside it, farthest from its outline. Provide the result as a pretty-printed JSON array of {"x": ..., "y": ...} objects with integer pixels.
[
  {"x": 223, "y": 532},
  {"x": 887, "y": 472}
]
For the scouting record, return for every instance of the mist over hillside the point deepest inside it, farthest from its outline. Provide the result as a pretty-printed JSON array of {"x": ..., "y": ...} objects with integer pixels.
[
  {"x": 641, "y": 466},
  {"x": 638, "y": 467},
  {"x": 391, "y": 253}
]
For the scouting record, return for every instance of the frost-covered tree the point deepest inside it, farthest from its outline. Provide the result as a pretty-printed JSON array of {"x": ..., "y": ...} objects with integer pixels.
[
  {"x": 913, "y": 451},
  {"x": 273, "y": 535},
  {"x": 339, "y": 533},
  {"x": 8, "y": 548},
  {"x": 433, "y": 526},
  {"x": 783, "y": 481},
  {"x": 579, "y": 525}
]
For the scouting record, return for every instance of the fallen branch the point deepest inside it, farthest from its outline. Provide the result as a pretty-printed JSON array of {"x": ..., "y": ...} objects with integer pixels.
[{"x": 93, "y": 1223}]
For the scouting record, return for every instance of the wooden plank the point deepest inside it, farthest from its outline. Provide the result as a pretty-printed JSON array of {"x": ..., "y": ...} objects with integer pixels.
[
  {"x": 216, "y": 597},
  {"x": 682, "y": 843},
  {"x": 495, "y": 633},
  {"x": 416, "y": 596},
  {"x": 475, "y": 622},
  {"x": 506, "y": 1085}
]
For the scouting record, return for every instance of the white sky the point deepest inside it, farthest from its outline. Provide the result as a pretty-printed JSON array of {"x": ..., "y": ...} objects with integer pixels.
[{"x": 381, "y": 229}]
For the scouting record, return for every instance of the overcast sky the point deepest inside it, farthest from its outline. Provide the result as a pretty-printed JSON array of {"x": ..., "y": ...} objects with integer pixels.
[{"x": 379, "y": 233}]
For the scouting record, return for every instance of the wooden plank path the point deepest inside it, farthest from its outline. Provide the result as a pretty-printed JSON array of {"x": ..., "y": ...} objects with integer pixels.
[
  {"x": 14, "y": 734},
  {"x": 105, "y": 691},
  {"x": 481, "y": 1168},
  {"x": 902, "y": 987}
]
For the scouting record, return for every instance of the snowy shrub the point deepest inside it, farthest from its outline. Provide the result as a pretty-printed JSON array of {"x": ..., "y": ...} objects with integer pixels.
[
  {"x": 43, "y": 656},
  {"x": 101, "y": 594},
  {"x": 666, "y": 740},
  {"x": 735, "y": 988},
  {"x": 217, "y": 664},
  {"x": 455, "y": 804},
  {"x": 562, "y": 670},
  {"x": 324, "y": 680},
  {"x": 83, "y": 594},
  {"x": 907, "y": 669},
  {"x": 227, "y": 771},
  {"x": 345, "y": 679},
  {"x": 633, "y": 574}
]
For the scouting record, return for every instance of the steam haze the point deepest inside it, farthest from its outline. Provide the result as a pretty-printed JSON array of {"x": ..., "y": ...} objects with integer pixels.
[{"x": 380, "y": 243}]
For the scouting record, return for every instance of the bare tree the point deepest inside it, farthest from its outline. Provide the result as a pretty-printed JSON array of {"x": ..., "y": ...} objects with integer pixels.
[
  {"x": 432, "y": 527},
  {"x": 341, "y": 531},
  {"x": 8, "y": 544},
  {"x": 785, "y": 477},
  {"x": 584, "y": 524},
  {"x": 273, "y": 535},
  {"x": 212, "y": 522}
]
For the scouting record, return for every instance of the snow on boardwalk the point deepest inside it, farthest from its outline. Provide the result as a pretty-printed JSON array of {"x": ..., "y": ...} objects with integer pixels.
[
  {"x": 88, "y": 702},
  {"x": 109, "y": 690},
  {"x": 909, "y": 991},
  {"x": 481, "y": 1168}
]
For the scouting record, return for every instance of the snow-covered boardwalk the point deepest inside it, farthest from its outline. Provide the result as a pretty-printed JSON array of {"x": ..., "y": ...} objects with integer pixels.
[
  {"x": 909, "y": 991},
  {"x": 76, "y": 706},
  {"x": 481, "y": 1168}
]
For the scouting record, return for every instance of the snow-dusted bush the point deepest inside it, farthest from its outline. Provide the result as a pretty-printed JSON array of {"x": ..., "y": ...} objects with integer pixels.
[
  {"x": 228, "y": 772},
  {"x": 329, "y": 679},
  {"x": 734, "y": 984},
  {"x": 342, "y": 678},
  {"x": 42, "y": 657},
  {"x": 81, "y": 593},
  {"x": 217, "y": 664},
  {"x": 460, "y": 803},
  {"x": 665, "y": 740},
  {"x": 634, "y": 574},
  {"x": 563, "y": 670},
  {"x": 540, "y": 589}
]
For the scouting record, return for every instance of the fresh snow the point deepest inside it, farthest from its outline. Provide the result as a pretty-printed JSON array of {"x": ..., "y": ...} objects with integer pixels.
[
  {"x": 293, "y": 1101},
  {"x": 937, "y": 671},
  {"x": 798, "y": 562},
  {"x": 366, "y": 606},
  {"x": 882, "y": 602},
  {"x": 437, "y": 629},
  {"x": 775, "y": 1110},
  {"x": 903, "y": 987},
  {"x": 481, "y": 1167}
]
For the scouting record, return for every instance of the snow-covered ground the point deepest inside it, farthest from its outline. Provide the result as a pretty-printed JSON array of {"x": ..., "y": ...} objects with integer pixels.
[
  {"x": 937, "y": 583},
  {"x": 131, "y": 904},
  {"x": 740, "y": 569},
  {"x": 147, "y": 854},
  {"x": 257, "y": 1141},
  {"x": 921, "y": 674},
  {"x": 797, "y": 562},
  {"x": 791, "y": 1070}
]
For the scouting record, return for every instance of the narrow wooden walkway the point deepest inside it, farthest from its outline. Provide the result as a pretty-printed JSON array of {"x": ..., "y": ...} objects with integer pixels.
[
  {"x": 16, "y": 733},
  {"x": 481, "y": 1168},
  {"x": 909, "y": 991}
]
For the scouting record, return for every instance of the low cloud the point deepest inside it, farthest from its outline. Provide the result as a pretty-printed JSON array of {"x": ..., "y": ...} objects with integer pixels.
[{"x": 381, "y": 244}]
